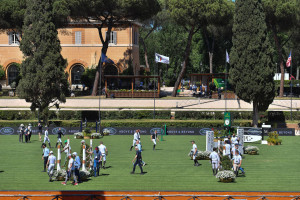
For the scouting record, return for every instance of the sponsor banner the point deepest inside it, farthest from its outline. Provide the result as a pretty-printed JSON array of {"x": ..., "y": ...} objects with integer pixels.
[
  {"x": 252, "y": 138},
  {"x": 146, "y": 130}
]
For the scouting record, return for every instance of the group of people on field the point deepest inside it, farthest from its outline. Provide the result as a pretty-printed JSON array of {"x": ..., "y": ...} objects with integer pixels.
[
  {"x": 230, "y": 149},
  {"x": 25, "y": 132}
]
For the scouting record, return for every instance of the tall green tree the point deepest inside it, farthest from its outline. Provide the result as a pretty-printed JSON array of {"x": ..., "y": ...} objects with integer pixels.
[
  {"x": 43, "y": 82},
  {"x": 252, "y": 70},
  {"x": 111, "y": 13},
  {"x": 192, "y": 15},
  {"x": 281, "y": 18}
]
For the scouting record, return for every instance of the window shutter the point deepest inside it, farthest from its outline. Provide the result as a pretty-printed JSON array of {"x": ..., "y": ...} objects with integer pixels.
[
  {"x": 18, "y": 38},
  {"x": 78, "y": 37},
  {"x": 10, "y": 38},
  {"x": 115, "y": 37}
]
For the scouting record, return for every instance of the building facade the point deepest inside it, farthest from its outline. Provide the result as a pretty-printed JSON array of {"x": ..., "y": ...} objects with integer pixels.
[{"x": 81, "y": 46}]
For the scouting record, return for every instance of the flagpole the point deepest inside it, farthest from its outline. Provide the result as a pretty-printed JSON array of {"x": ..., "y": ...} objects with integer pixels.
[
  {"x": 100, "y": 73},
  {"x": 291, "y": 89},
  {"x": 226, "y": 82},
  {"x": 154, "y": 91}
]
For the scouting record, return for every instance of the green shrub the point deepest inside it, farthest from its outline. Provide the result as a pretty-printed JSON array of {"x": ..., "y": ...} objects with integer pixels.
[
  {"x": 226, "y": 163},
  {"x": 273, "y": 138}
]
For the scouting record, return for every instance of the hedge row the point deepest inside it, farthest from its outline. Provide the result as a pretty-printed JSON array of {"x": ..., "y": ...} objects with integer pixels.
[
  {"x": 130, "y": 123},
  {"x": 272, "y": 116}
]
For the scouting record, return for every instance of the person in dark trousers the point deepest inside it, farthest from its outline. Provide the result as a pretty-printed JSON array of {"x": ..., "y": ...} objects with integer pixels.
[
  {"x": 154, "y": 138},
  {"x": 97, "y": 160},
  {"x": 137, "y": 160},
  {"x": 59, "y": 134},
  {"x": 45, "y": 155},
  {"x": 21, "y": 133},
  {"x": 195, "y": 152},
  {"x": 77, "y": 165},
  {"x": 29, "y": 130}
]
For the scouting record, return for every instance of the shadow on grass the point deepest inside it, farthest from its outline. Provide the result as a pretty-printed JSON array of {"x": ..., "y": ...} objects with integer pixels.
[
  {"x": 1, "y": 171},
  {"x": 104, "y": 174}
]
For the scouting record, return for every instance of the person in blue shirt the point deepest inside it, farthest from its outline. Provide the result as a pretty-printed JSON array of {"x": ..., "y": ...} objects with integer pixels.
[
  {"x": 45, "y": 155},
  {"x": 77, "y": 165},
  {"x": 97, "y": 160},
  {"x": 137, "y": 160}
]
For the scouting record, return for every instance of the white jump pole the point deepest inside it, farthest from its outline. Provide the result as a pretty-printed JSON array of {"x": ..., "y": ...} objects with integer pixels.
[
  {"x": 58, "y": 157},
  {"x": 83, "y": 158},
  {"x": 68, "y": 146}
]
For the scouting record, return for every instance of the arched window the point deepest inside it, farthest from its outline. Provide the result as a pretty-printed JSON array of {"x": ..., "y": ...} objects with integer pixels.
[
  {"x": 76, "y": 73},
  {"x": 110, "y": 70},
  {"x": 12, "y": 73}
]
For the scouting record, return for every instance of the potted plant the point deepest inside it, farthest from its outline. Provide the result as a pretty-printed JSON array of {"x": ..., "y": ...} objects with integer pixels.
[
  {"x": 273, "y": 139},
  {"x": 251, "y": 150},
  {"x": 95, "y": 135},
  {"x": 87, "y": 133},
  {"x": 78, "y": 135},
  {"x": 226, "y": 176}
]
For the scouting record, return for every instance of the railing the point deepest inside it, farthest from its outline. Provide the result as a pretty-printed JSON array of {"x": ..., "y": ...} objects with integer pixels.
[{"x": 150, "y": 196}]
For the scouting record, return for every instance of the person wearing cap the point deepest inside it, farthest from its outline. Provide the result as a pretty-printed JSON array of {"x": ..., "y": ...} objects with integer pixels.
[
  {"x": 50, "y": 164},
  {"x": 77, "y": 165},
  {"x": 195, "y": 151},
  {"x": 21, "y": 132},
  {"x": 97, "y": 160},
  {"x": 215, "y": 161},
  {"x": 45, "y": 155},
  {"x": 59, "y": 134},
  {"x": 103, "y": 150},
  {"x": 71, "y": 170},
  {"x": 137, "y": 160},
  {"x": 67, "y": 150},
  {"x": 46, "y": 137},
  {"x": 40, "y": 128}
]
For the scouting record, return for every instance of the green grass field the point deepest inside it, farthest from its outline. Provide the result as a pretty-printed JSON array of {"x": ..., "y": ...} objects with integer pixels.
[{"x": 168, "y": 168}]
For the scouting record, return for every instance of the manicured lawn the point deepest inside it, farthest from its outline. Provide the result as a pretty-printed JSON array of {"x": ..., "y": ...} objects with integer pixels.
[{"x": 168, "y": 168}]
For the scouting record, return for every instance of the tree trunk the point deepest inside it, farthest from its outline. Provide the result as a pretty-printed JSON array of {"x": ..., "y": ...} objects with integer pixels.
[
  {"x": 145, "y": 53},
  {"x": 186, "y": 57},
  {"x": 211, "y": 54},
  {"x": 255, "y": 114},
  {"x": 280, "y": 60},
  {"x": 104, "y": 50}
]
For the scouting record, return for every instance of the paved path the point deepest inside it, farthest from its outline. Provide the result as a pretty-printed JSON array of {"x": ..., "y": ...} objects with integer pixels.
[{"x": 182, "y": 104}]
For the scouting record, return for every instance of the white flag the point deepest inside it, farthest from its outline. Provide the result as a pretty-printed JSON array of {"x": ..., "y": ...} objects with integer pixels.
[
  {"x": 227, "y": 57},
  {"x": 162, "y": 59}
]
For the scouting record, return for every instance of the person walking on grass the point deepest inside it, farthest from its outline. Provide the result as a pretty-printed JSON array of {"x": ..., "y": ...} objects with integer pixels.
[
  {"x": 154, "y": 138},
  {"x": 103, "y": 151},
  {"x": 51, "y": 164},
  {"x": 77, "y": 165},
  {"x": 97, "y": 160},
  {"x": 59, "y": 134},
  {"x": 70, "y": 171},
  {"x": 195, "y": 152},
  {"x": 215, "y": 161},
  {"x": 40, "y": 128},
  {"x": 45, "y": 155},
  {"x": 67, "y": 150},
  {"x": 137, "y": 160},
  {"x": 46, "y": 137},
  {"x": 136, "y": 136}
]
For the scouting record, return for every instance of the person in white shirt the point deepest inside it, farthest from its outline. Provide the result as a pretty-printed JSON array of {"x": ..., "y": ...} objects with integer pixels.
[
  {"x": 215, "y": 161},
  {"x": 103, "y": 151},
  {"x": 71, "y": 170},
  {"x": 51, "y": 164},
  {"x": 227, "y": 149},
  {"x": 195, "y": 151},
  {"x": 136, "y": 136},
  {"x": 236, "y": 162},
  {"x": 67, "y": 150},
  {"x": 46, "y": 137},
  {"x": 154, "y": 138}
]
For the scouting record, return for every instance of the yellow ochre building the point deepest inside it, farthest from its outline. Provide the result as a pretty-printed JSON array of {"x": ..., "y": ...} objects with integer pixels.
[{"x": 81, "y": 46}]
